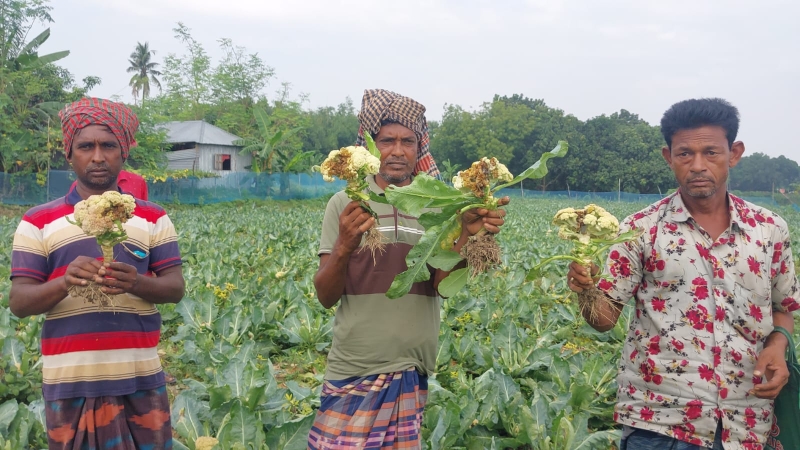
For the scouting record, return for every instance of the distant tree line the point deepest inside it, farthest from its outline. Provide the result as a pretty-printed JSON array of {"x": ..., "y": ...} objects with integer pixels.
[{"x": 606, "y": 152}]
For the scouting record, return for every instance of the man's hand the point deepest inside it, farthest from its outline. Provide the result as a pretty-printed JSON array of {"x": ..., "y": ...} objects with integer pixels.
[
  {"x": 473, "y": 220},
  {"x": 353, "y": 223},
  {"x": 82, "y": 270},
  {"x": 117, "y": 278},
  {"x": 578, "y": 278},
  {"x": 772, "y": 364}
]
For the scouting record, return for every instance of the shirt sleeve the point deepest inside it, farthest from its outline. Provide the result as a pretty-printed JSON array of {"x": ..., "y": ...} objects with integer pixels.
[
  {"x": 28, "y": 255},
  {"x": 330, "y": 224},
  {"x": 622, "y": 275},
  {"x": 785, "y": 288},
  {"x": 164, "y": 251}
]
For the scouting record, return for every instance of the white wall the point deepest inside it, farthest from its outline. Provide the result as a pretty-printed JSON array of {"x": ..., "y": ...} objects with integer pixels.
[{"x": 182, "y": 159}]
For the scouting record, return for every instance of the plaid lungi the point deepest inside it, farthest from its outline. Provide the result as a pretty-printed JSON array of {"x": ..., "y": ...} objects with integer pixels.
[
  {"x": 126, "y": 422},
  {"x": 374, "y": 412}
]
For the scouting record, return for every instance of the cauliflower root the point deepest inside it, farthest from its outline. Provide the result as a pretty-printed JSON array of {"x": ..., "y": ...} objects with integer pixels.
[
  {"x": 481, "y": 252},
  {"x": 375, "y": 242},
  {"x": 91, "y": 293},
  {"x": 593, "y": 304}
]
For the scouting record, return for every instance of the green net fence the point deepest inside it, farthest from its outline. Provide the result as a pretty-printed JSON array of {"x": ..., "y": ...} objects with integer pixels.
[{"x": 34, "y": 189}]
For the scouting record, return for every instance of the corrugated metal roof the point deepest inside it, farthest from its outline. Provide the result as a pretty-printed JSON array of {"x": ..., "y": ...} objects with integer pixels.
[{"x": 198, "y": 131}]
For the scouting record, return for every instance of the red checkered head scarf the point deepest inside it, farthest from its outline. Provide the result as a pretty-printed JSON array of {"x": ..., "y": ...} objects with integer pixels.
[
  {"x": 96, "y": 111},
  {"x": 379, "y": 106}
]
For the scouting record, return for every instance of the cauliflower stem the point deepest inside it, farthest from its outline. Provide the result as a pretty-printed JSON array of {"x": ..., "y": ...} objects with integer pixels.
[
  {"x": 593, "y": 231},
  {"x": 353, "y": 165},
  {"x": 102, "y": 216}
]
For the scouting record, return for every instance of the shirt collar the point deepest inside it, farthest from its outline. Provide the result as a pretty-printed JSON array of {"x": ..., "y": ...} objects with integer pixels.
[
  {"x": 373, "y": 185},
  {"x": 73, "y": 197},
  {"x": 741, "y": 215}
]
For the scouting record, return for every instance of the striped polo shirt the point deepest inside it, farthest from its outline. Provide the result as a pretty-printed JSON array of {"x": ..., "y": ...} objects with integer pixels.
[
  {"x": 87, "y": 352},
  {"x": 373, "y": 334}
]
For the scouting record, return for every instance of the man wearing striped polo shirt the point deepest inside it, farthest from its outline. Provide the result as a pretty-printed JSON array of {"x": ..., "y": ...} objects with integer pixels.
[{"x": 102, "y": 379}]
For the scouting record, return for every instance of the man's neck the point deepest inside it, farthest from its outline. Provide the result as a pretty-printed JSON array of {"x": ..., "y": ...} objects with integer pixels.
[
  {"x": 85, "y": 192},
  {"x": 709, "y": 206},
  {"x": 712, "y": 214}
]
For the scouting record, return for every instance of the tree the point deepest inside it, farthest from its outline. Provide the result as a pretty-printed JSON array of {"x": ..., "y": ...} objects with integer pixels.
[
  {"x": 144, "y": 71},
  {"x": 273, "y": 151},
  {"x": 29, "y": 86},
  {"x": 331, "y": 128},
  {"x": 759, "y": 172},
  {"x": 187, "y": 79}
]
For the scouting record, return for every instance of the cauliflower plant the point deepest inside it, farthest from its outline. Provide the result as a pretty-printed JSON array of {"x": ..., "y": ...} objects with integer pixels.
[
  {"x": 594, "y": 230},
  {"x": 102, "y": 216},
  {"x": 354, "y": 164}
]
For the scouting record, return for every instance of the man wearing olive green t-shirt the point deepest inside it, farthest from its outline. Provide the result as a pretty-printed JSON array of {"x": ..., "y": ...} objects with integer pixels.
[{"x": 383, "y": 350}]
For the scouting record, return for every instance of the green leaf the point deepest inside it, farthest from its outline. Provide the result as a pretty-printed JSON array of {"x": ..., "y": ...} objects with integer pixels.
[
  {"x": 445, "y": 260},
  {"x": 416, "y": 261},
  {"x": 8, "y": 411},
  {"x": 371, "y": 145},
  {"x": 425, "y": 191},
  {"x": 255, "y": 396},
  {"x": 218, "y": 396},
  {"x": 185, "y": 419},
  {"x": 539, "y": 168},
  {"x": 276, "y": 138},
  {"x": 13, "y": 351},
  {"x": 598, "y": 439},
  {"x": 443, "y": 354},
  {"x": 291, "y": 435},
  {"x": 51, "y": 57},
  {"x": 241, "y": 427},
  {"x": 454, "y": 282},
  {"x": 378, "y": 198},
  {"x": 36, "y": 42},
  {"x": 433, "y": 218}
]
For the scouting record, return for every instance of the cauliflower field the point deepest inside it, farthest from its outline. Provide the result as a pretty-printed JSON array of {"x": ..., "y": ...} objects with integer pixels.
[{"x": 517, "y": 366}]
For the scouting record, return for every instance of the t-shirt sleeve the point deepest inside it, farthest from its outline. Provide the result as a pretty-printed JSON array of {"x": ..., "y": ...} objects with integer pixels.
[
  {"x": 622, "y": 275},
  {"x": 28, "y": 255},
  {"x": 164, "y": 251},
  {"x": 330, "y": 223},
  {"x": 785, "y": 288}
]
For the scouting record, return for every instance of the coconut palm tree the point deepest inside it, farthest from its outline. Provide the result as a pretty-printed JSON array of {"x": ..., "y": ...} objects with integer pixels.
[{"x": 144, "y": 71}]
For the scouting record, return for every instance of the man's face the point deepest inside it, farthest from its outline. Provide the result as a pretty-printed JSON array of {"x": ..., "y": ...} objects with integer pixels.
[
  {"x": 96, "y": 157},
  {"x": 398, "y": 146},
  {"x": 700, "y": 159}
]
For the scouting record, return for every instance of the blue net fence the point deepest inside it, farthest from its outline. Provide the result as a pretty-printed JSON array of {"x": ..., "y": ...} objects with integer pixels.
[{"x": 33, "y": 189}]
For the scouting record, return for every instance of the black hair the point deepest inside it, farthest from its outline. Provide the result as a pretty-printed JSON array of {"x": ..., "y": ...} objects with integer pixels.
[{"x": 696, "y": 113}]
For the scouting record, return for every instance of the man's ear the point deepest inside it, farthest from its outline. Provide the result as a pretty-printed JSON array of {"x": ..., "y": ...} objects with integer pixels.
[{"x": 737, "y": 150}]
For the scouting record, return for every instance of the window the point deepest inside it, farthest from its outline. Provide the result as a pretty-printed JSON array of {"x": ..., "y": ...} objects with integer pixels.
[{"x": 222, "y": 162}]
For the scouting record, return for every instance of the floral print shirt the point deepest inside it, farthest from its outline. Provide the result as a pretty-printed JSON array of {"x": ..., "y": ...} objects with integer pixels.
[{"x": 703, "y": 310}]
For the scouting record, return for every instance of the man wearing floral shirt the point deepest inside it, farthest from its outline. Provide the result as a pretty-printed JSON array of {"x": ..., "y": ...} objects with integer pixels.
[{"x": 711, "y": 275}]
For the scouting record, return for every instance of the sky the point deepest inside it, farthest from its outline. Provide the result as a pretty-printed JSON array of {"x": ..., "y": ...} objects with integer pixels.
[{"x": 586, "y": 57}]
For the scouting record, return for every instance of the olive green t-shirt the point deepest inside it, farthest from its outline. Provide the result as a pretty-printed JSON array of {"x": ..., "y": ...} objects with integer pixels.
[{"x": 373, "y": 334}]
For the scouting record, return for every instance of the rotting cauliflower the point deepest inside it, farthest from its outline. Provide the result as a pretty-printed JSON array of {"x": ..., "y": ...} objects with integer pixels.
[
  {"x": 592, "y": 223},
  {"x": 594, "y": 230},
  {"x": 481, "y": 175},
  {"x": 353, "y": 165},
  {"x": 102, "y": 216}
]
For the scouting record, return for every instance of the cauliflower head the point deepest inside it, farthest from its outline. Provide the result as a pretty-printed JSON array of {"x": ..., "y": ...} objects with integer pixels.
[{"x": 99, "y": 214}]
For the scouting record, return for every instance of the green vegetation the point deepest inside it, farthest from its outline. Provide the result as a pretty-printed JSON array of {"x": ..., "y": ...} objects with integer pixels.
[{"x": 516, "y": 363}]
